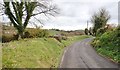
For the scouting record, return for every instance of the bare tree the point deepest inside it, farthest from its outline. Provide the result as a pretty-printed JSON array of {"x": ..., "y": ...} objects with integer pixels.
[{"x": 20, "y": 12}]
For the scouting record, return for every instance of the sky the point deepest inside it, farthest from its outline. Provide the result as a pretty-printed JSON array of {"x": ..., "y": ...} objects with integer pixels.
[{"x": 74, "y": 14}]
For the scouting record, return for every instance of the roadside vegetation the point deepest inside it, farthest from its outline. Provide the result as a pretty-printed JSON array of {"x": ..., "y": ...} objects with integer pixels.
[
  {"x": 31, "y": 53},
  {"x": 107, "y": 41},
  {"x": 39, "y": 48},
  {"x": 35, "y": 52},
  {"x": 24, "y": 47},
  {"x": 11, "y": 35},
  {"x": 108, "y": 44}
]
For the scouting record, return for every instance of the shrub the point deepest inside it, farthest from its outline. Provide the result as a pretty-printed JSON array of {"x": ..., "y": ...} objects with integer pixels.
[
  {"x": 8, "y": 38},
  {"x": 36, "y": 33},
  {"x": 15, "y": 37},
  {"x": 90, "y": 31},
  {"x": 96, "y": 42},
  {"x": 86, "y": 31},
  {"x": 33, "y": 33},
  {"x": 100, "y": 31},
  {"x": 58, "y": 37},
  {"x": 27, "y": 34},
  {"x": 43, "y": 33},
  {"x": 108, "y": 44},
  {"x": 64, "y": 38}
]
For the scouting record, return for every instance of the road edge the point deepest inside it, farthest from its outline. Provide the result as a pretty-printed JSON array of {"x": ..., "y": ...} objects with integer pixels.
[{"x": 62, "y": 56}]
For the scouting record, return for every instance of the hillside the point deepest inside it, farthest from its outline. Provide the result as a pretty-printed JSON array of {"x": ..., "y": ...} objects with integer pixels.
[{"x": 35, "y": 53}]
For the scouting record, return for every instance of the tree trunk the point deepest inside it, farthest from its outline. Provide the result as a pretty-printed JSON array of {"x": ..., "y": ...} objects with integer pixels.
[{"x": 20, "y": 35}]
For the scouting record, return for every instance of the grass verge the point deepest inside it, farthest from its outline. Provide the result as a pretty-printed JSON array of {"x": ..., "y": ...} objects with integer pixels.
[{"x": 34, "y": 53}]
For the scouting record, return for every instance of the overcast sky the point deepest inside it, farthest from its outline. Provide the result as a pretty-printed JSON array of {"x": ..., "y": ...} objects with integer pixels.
[{"x": 74, "y": 14}]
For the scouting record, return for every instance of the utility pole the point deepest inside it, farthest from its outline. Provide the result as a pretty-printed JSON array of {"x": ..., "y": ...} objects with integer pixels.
[{"x": 87, "y": 24}]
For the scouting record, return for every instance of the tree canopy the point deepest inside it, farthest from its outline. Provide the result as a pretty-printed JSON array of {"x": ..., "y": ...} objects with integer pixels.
[{"x": 100, "y": 19}]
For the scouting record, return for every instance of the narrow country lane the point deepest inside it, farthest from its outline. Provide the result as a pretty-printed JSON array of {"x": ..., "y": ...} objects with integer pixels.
[{"x": 82, "y": 55}]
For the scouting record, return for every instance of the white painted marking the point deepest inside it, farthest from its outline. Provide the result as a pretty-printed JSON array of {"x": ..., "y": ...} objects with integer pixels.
[{"x": 63, "y": 57}]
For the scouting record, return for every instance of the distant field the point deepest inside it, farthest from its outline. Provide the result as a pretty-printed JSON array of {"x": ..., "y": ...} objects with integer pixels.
[
  {"x": 67, "y": 33},
  {"x": 53, "y": 32},
  {"x": 74, "y": 39},
  {"x": 11, "y": 30},
  {"x": 35, "y": 53}
]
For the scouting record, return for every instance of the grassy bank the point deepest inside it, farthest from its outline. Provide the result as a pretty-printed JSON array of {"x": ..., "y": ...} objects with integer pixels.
[
  {"x": 108, "y": 45},
  {"x": 34, "y": 53}
]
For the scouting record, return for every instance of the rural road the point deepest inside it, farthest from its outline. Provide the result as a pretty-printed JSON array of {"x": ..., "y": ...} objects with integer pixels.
[{"x": 82, "y": 55}]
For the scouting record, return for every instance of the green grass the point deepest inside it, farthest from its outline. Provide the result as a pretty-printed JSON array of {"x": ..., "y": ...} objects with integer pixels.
[
  {"x": 71, "y": 39},
  {"x": 108, "y": 45},
  {"x": 34, "y": 53},
  {"x": 53, "y": 32},
  {"x": 31, "y": 53}
]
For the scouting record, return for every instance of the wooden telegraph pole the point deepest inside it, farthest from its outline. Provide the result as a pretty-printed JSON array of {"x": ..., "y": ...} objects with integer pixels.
[{"x": 87, "y": 24}]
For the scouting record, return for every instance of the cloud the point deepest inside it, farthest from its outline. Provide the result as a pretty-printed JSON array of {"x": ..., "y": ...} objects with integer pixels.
[{"x": 74, "y": 14}]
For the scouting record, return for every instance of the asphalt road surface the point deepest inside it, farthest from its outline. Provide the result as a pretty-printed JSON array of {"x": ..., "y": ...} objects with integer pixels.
[{"x": 82, "y": 55}]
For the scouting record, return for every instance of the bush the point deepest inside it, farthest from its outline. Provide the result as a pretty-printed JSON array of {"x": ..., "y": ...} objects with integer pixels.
[
  {"x": 8, "y": 38},
  {"x": 90, "y": 31},
  {"x": 64, "y": 38},
  {"x": 32, "y": 33},
  {"x": 108, "y": 44},
  {"x": 29, "y": 33},
  {"x": 36, "y": 33},
  {"x": 100, "y": 31},
  {"x": 86, "y": 31},
  {"x": 58, "y": 37},
  {"x": 43, "y": 33}
]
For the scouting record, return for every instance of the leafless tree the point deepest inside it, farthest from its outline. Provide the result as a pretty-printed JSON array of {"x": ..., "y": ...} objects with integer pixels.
[{"x": 20, "y": 12}]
